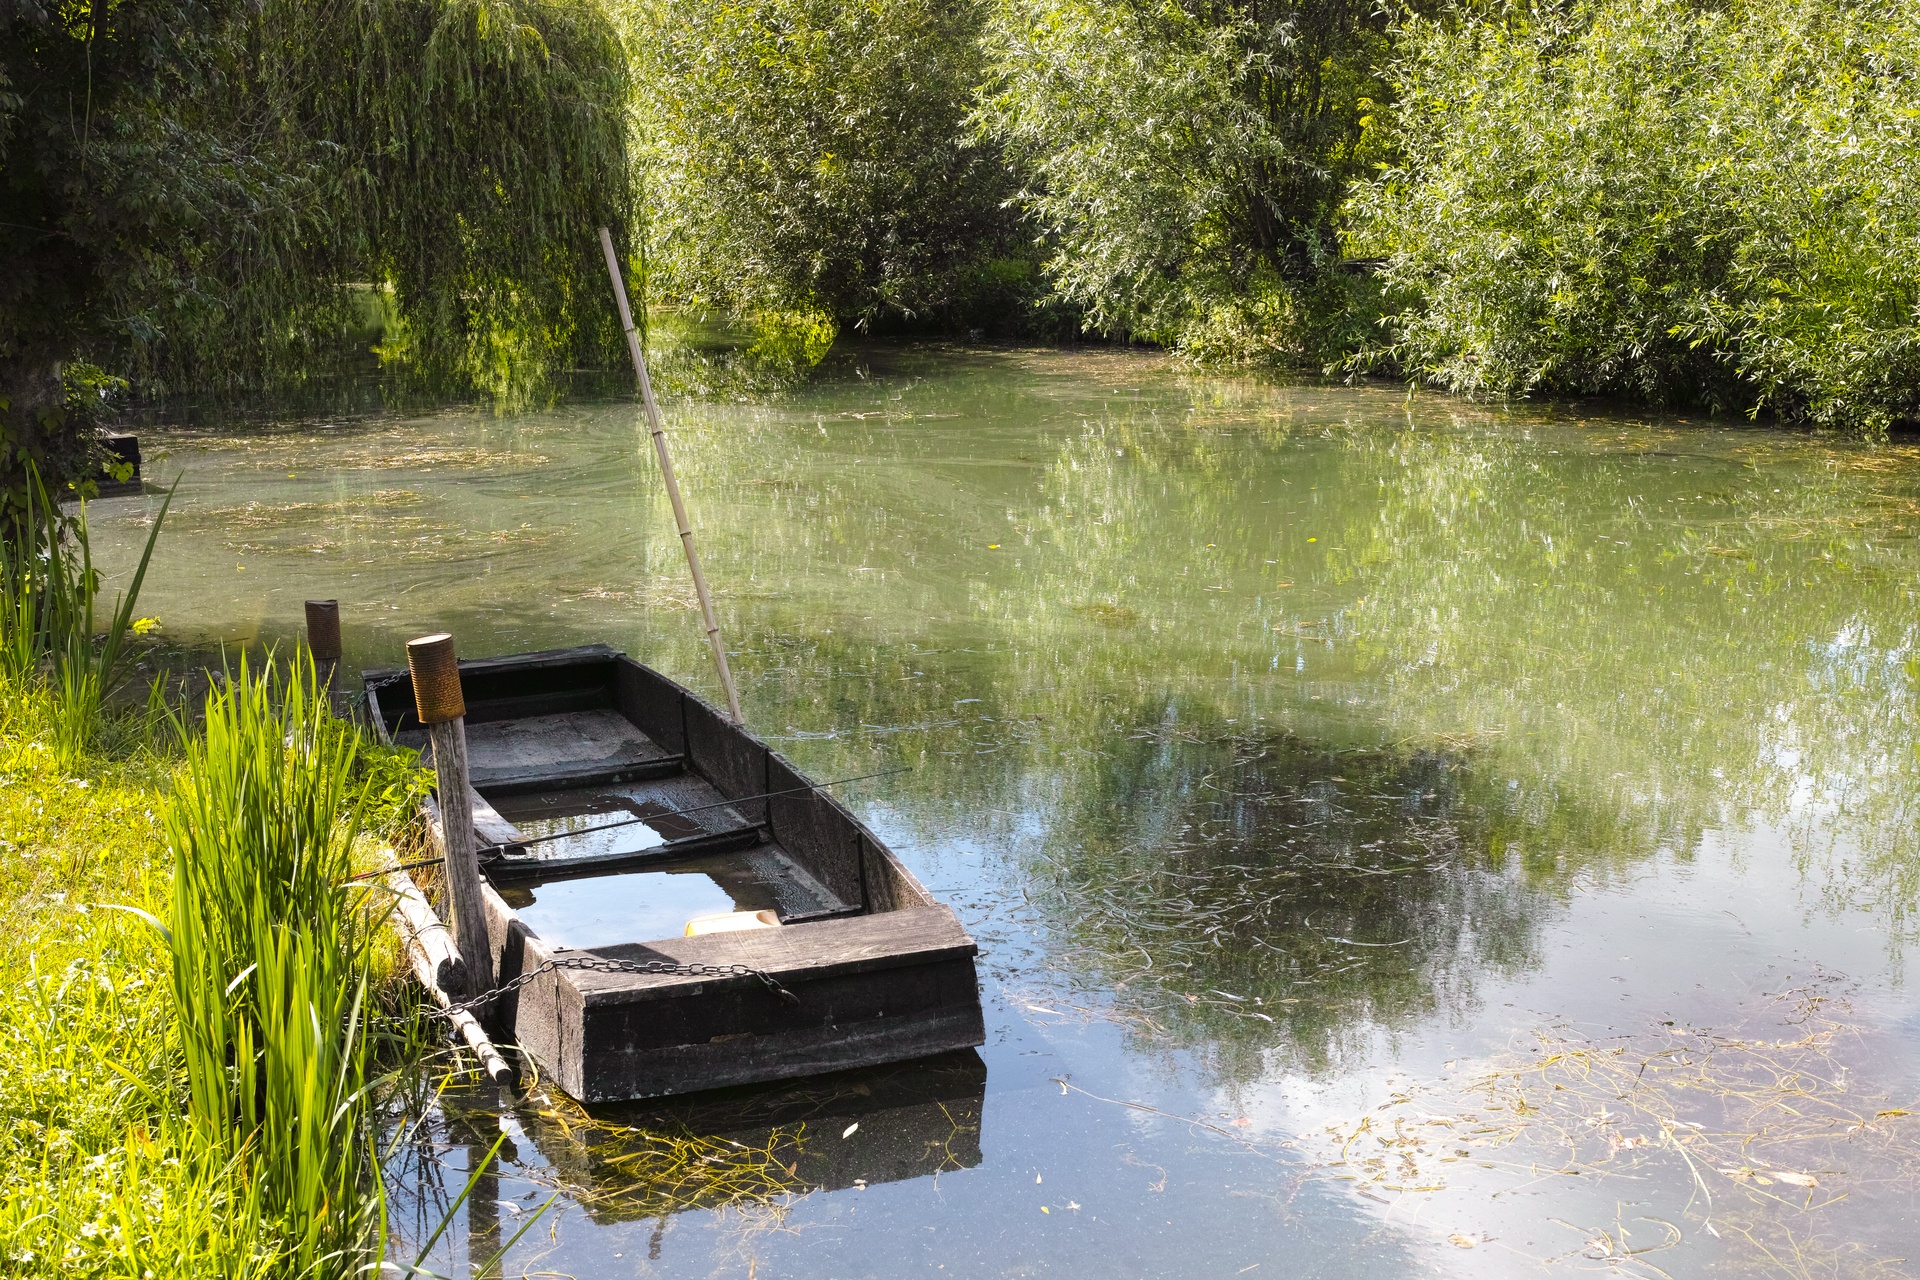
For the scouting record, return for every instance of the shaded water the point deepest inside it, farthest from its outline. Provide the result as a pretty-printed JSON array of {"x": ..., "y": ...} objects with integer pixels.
[{"x": 1402, "y": 837}]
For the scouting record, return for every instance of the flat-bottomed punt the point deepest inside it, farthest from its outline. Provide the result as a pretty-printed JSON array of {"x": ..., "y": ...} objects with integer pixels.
[{"x": 615, "y": 808}]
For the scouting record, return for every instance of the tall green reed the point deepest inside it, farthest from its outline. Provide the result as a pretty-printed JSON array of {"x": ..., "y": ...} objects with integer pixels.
[
  {"x": 49, "y": 592},
  {"x": 272, "y": 946}
]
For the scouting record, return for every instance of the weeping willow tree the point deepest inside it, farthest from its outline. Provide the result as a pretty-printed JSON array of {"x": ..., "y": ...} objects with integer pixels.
[{"x": 205, "y": 194}]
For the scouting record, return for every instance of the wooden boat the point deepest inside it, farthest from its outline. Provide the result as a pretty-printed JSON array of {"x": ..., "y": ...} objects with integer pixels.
[{"x": 614, "y": 807}]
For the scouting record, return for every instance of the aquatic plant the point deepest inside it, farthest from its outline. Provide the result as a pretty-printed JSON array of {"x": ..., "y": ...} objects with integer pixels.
[
  {"x": 49, "y": 589},
  {"x": 1748, "y": 1141},
  {"x": 272, "y": 945}
]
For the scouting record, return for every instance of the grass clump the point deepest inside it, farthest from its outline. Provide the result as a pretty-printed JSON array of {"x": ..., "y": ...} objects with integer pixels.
[
  {"x": 272, "y": 948},
  {"x": 192, "y": 1092},
  {"x": 49, "y": 593},
  {"x": 204, "y": 1004},
  {"x": 104, "y": 1177}
]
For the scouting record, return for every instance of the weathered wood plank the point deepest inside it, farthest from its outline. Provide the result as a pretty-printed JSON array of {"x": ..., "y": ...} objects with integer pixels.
[
  {"x": 459, "y": 856},
  {"x": 435, "y": 962},
  {"x": 509, "y": 783},
  {"x": 488, "y": 826},
  {"x": 801, "y": 952},
  {"x": 547, "y": 744},
  {"x": 600, "y": 864},
  {"x": 746, "y": 1058}
]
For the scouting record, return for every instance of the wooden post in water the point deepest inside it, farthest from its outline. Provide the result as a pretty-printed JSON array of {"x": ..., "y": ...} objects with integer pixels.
[
  {"x": 442, "y": 708},
  {"x": 659, "y": 433},
  {"x": 323, "y": 642}
]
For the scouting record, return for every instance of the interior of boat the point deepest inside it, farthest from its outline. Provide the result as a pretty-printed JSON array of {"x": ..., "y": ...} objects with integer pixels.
[{"x": 613, "y": 806}]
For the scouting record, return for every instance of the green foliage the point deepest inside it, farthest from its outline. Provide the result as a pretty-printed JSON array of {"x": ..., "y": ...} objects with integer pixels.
[
  {"x": 465, "y": 153},
  {"x": 104, "y": 1177},
  {"x": 272, "y": 944},
  {"x": 809, "y": 156},
  {"x": 1188, "y": 161},
  {"x": 200, "y": 191},
  {"x": 1655, "y": 199},
  {"x": 48, "y": 592}
]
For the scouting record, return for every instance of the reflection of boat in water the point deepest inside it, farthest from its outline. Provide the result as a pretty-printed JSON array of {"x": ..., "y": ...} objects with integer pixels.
[
  {"x": 829, "y": 1133},
  {"x": 620, "y": 811}
]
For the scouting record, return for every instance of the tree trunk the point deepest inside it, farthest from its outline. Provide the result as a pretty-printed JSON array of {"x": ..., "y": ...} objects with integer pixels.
[{"x": 38, "y": 427}]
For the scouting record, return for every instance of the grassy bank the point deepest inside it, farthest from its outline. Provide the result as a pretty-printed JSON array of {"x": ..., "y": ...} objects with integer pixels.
[
  {"x": 203, "y": 1005},
  {"x": 104, "y": 1176},
  {"x": 186, "y": 1086}
]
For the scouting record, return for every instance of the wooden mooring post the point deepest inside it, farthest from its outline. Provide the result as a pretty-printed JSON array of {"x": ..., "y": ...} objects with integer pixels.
[
  {"x": 442, "y": 708},
  {"x": 323, "y": 642}
]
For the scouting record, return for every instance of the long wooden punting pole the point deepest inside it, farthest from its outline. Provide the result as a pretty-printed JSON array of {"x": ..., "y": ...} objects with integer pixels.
[
  {"x": 666, "y": 473},
  {"x": 442, "y": 708}
]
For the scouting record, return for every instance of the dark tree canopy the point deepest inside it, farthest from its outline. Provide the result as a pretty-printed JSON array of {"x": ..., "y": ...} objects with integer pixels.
[{"x": 195, "y": 190}]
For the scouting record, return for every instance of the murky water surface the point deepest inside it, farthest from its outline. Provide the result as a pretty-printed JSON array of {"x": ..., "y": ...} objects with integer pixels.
[{"x": 1401, "y": 837}]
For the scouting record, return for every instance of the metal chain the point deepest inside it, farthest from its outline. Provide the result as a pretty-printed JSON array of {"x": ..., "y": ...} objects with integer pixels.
[{"x": 596, "y": 964}]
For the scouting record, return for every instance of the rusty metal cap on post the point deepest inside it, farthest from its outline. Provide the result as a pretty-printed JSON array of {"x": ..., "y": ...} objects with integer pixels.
[
  {"x": 323, "y": 630},
  {"x": 436, "y": 679}
]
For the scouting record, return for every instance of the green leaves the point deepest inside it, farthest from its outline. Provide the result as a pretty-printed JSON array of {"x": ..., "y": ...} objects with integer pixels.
[
  {"x": 271, "y": 949},
  {"x": 252, "y": 173},
  {"x": 1188, "y": 161},
  {"x": 811, "y": 156},
  {"x": 1653, "y": 200}
]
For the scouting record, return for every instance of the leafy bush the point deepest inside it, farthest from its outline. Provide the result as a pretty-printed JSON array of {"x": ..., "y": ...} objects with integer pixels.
[
  {"x": 810, "y": 156},
  {"x": 1189, "y": 160},
  {"x": 1702, "y": 205}
]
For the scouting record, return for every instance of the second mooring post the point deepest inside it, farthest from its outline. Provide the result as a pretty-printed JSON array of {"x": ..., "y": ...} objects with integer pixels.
[
  {"x": 323, "y": 642},
  {"x": 442, "y": 708}
]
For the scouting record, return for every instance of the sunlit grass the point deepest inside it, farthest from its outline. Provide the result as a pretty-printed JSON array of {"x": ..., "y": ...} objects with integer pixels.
[
  {"x": 195, "y": 1104},
  {"x": 103, "y": 1177}
]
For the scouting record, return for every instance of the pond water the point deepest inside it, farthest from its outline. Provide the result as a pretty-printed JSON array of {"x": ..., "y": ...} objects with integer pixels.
[{"x": 1402, "y": 837}]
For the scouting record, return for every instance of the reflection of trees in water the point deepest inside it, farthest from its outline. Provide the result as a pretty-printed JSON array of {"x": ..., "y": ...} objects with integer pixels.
[
  {"x": 1236, "y": 894},
  {"x": 1691, "y": 640},
  {"x": 1640, "y": 639}
]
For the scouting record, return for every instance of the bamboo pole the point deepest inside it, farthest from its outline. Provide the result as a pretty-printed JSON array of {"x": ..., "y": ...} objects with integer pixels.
[
  {"x": 439, "y": 703},
  {"x": 659, "y": 433}
]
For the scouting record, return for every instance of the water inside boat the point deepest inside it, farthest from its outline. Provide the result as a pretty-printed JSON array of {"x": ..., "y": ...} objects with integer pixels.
[
  {"x": 641, "y": 906},
  {"x": 645, "y": 905}
]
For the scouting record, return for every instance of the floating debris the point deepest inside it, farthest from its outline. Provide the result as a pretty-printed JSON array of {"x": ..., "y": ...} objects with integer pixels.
[{"x": 1752, "y": 1136}]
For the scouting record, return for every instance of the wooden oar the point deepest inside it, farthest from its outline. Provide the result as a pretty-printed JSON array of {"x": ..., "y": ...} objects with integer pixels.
[{"x": 666, "y": 472}]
